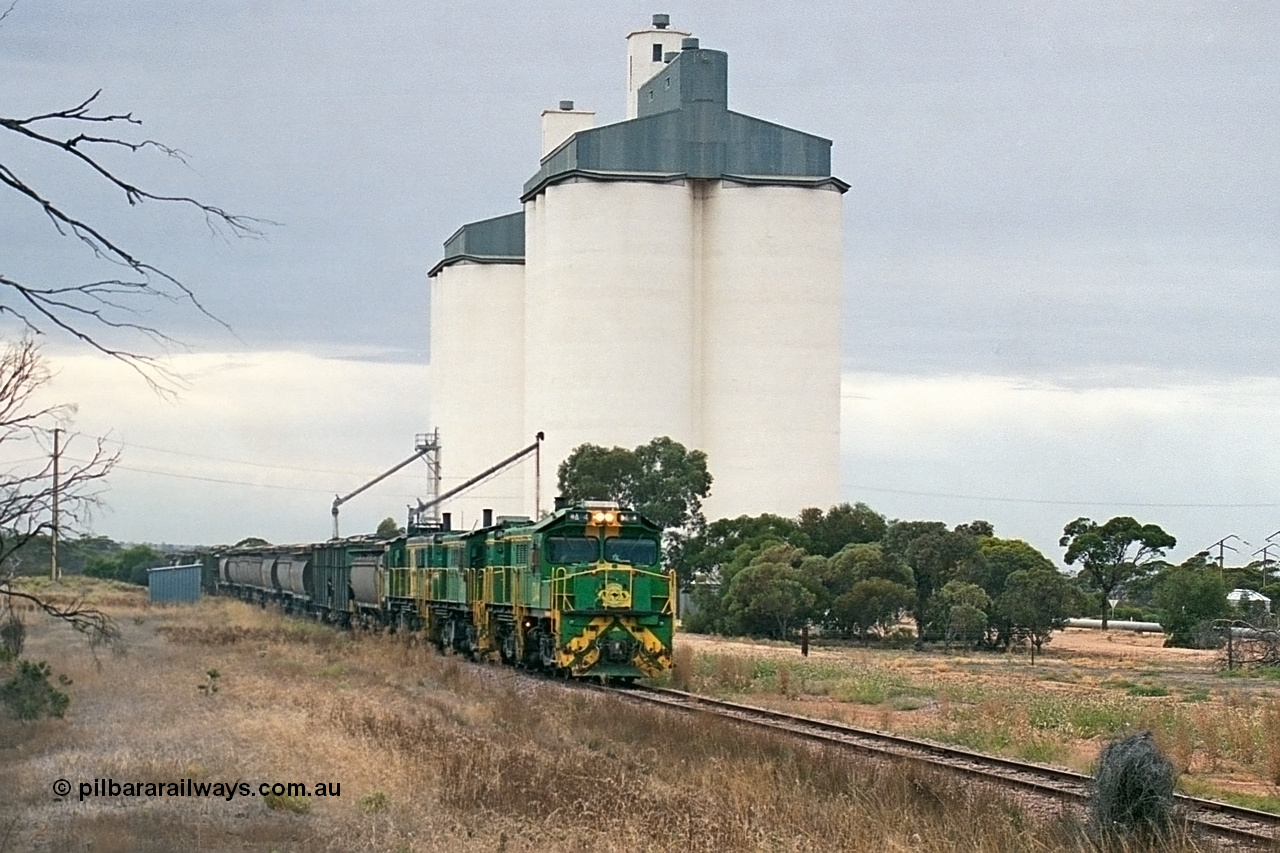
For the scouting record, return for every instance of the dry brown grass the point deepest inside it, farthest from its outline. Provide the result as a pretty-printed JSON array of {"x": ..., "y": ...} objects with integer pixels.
[
  {"x": 1218, "y": 728},
  {"x": 434, "y": 754}
]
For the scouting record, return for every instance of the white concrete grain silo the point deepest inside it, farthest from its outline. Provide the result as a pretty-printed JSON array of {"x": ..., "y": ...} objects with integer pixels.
[
  {"x": 681, "y": 277},
  {"x": 771, "y": 345},
  {"x": 477, "y": 362},
  {"x": 609, "y": 354}
]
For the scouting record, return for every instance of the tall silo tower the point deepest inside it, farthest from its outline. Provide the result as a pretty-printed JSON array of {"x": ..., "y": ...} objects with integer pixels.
[
  {"x": 647, "y": 54},
  {"x": 679, "y": 275},
  {"x": 477, "y": 362},
  {"x": 683, "y": 279}
]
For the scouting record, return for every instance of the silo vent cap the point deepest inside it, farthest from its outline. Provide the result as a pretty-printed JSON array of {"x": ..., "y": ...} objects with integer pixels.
[
  {"x": 661, "y": 22},
  {"x": 689, "y": 44},
  {"x": 566, "y": 105}
]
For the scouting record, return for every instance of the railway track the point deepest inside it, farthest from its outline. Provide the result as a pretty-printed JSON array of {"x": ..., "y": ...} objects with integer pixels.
[{"x": 1241, "y": 827}]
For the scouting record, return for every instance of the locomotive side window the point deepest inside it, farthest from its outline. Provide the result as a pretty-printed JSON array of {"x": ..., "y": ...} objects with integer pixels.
[
  {"x": 637, "y": 552},
  {"x": 572, "y": 549}
]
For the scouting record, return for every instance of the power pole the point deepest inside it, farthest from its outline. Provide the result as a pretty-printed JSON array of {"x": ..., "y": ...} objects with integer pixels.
[
  {"x": 1266, "y": 556},
  {"x": 1223, "y": 547},
  {"x": 1265, "y": 551},
  {"x": 54, "y": 574}
]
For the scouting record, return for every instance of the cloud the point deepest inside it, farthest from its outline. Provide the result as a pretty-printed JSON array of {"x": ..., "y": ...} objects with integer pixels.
[
  {"x": 1108, "y": 309},
  {"x": 257, "y": 444},
  {"x": 976, "y": 142},
  {"x": 1030, "y": 456},
  {"x": 1060, "y": 241}
]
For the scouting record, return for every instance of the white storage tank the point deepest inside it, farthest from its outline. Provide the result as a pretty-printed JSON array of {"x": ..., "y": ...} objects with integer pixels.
[
  {"x": 771, "y": 354},
  {"x": 477, "y": 364},
  {"x": 681, "y": 277},
  {"x": 609, "y": 316}
]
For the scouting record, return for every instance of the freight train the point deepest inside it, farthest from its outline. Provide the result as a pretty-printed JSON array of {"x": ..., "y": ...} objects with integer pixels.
[{"x": 581, "y": 592}]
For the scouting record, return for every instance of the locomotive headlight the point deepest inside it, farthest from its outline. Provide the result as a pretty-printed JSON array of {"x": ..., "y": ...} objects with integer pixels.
[
  {"x": 597, "y": 517},
  {"x": 609, "y": 518}
]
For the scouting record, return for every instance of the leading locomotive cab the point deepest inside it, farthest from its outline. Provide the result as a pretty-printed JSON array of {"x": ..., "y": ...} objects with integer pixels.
[{"x": 611, "y": 607}]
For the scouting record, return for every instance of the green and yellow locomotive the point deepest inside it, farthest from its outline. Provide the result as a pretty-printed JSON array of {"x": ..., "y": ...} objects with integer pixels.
[{"x": 581, "y": 592}]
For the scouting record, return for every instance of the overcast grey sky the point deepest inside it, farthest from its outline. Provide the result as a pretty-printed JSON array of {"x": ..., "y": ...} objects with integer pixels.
[{"x": 1062, "y": 239}]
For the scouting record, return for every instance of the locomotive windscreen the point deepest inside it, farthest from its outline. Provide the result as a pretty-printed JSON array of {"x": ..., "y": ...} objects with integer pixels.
[
  {"x": 637, "y": 552},
  {"x": 562, "y": 550}
]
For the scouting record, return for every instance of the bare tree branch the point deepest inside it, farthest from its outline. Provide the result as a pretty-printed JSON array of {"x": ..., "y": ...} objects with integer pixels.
[
  {"x": 107, "y": 314},
  {"x": 100, "y": 629},
  {"x": 27, "y": 489},
  {"x": 246, "y": 226},
  {"x": 86, "y": 310}
]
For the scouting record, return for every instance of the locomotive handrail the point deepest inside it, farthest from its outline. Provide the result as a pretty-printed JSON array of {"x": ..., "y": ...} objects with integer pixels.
[
  {"x": 559, "y": 596},
  {"x": 562, "y": 577}
]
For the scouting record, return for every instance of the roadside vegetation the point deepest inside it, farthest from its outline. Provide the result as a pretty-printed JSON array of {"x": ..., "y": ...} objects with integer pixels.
[
  {"x": 850, "y": 572},
  {"x": 942, "y": 632}
]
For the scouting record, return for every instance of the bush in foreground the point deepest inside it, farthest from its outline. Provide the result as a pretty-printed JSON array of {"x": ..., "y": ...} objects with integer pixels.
[
  {"x": 1132, "y": 791},
  {"x": 28, "y": 694}
]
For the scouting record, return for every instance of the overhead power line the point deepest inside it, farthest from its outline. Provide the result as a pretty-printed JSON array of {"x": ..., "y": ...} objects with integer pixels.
[
  {"x": 221, "y": 480},
  {"x": 249, "y": 462},
  {"x": 229, "y": 482},
  {"x": 1050, "y": 502}
]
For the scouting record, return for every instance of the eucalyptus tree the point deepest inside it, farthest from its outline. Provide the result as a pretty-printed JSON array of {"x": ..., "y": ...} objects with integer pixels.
[{"x": 1114, "y": 553}]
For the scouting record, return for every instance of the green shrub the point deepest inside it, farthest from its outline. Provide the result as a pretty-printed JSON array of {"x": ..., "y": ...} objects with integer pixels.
[
  {"x": 1148, "y": 690},
  {"x": 283, "y": 802},
  {"x": 29, "y": 696},
  {"x": 374, "y": 802},
  {"x": 1134, "y": 613}
]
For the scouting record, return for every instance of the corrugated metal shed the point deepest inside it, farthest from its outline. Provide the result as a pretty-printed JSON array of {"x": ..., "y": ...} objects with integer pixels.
[{"x": 174, "y": 584}]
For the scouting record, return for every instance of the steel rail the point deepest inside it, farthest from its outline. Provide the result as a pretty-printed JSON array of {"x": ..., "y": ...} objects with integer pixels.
[{"x": 1236, "y": 823}]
